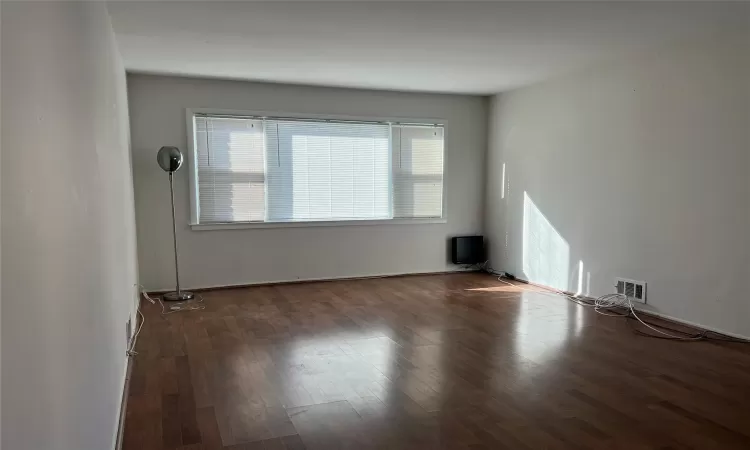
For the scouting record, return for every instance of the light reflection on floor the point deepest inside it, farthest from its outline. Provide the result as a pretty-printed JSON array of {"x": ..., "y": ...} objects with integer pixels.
[
  {"x": 417, "y": 363},
  {"x": 424, "y": 361},
  {"x": 407, "y": 366}
]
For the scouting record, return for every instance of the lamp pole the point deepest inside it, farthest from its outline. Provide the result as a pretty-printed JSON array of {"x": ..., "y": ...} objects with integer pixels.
[
  {"x": 174, "y": 235},
  {"x": 170, "y": 160}
]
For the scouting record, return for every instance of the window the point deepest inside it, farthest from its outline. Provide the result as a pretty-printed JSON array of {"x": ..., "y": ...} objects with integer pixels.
[{"x": 261, "y": 169}]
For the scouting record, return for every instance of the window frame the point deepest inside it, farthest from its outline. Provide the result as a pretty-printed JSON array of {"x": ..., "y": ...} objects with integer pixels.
[{"x": 192, "y": 167}]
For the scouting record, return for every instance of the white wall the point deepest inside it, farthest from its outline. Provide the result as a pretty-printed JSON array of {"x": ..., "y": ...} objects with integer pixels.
[
  {"x": 68, "y": 227},
  {"x": 641, "y": 171},
  {"x": 226, "y": 257}
]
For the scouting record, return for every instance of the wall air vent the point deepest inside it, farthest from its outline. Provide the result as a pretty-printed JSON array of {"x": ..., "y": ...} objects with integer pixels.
[{"x": 635, "y": 290}]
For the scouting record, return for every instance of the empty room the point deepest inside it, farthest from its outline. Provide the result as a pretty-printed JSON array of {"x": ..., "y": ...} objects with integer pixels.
[{"x": 236, "y": 225}]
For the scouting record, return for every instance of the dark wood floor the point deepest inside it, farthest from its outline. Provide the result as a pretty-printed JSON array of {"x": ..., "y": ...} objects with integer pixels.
[{"x": 426, "y": 362}]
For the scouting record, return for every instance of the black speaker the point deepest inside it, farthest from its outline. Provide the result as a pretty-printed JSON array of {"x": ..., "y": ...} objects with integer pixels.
[{"x": 467, "y": 250}]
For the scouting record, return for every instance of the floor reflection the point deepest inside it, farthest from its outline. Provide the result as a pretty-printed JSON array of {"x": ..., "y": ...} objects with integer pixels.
[
  {"x": 385, "y": 364},
  {"x": 432, "y": 362},
  {"x": 542, "y": 327}
]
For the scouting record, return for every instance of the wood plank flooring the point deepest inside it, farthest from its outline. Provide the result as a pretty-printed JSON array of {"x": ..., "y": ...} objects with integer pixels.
[{"x": 425, "y": 362}]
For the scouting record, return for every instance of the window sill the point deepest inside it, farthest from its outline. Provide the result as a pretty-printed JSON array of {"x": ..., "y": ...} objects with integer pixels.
[{"x": 321, "y": 223}]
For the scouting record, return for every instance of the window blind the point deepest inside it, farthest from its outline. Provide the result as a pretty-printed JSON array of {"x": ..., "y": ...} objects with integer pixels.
[
  {"x": 417, "y": 171},
  {"x": 327, "y": 171},
  {"x": 231, "y": 170},
  {"x": 296, "y": 170}
]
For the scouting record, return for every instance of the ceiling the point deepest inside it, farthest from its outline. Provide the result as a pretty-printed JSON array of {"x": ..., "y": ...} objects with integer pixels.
[{"x": 472, "y": 48}]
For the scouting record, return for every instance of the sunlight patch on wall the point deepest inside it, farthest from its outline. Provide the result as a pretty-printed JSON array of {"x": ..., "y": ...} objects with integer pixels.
[
  {"x": 502, "y": 188},
  {"x": 545, "y": 252}
]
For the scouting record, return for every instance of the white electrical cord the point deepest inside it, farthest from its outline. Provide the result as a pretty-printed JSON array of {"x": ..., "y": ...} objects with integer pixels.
[
  {"x": 177, "y": 307},
  {"x": 188, "y": 305},
  {"x": 146, "y": 296},
  {"x": 131, "y": 349},
  {"x": 610, "y": 302}
]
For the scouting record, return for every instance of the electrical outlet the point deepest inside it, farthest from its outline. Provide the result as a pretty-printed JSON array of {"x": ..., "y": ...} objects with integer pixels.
[
  {"x": 634, "y": 290},
  {"x": 128, "y": 331}
]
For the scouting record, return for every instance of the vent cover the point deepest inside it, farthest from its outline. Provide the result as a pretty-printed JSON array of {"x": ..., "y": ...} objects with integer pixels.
[{"x": 634, "y": 290}]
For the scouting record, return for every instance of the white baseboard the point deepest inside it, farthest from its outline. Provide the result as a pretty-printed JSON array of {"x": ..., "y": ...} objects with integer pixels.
[
  {"x": 307, "y": 280},
  {"x": 646, "y": 311},
  {"x": 123, "y": 404},
  {"x": 691, "y": 324},
  {"x": 460, "y": 269}
]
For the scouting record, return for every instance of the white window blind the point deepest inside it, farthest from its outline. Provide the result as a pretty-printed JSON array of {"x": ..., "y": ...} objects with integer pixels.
[
  {"x": 417, "y": 171},
  {"x": 231, "y": 170},
  {"x": 327, "y": 171},
  {"x": 294, "y": 170}
]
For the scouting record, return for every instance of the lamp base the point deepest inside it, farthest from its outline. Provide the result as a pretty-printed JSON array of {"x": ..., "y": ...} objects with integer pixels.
[{"x": 175, "y": 297}]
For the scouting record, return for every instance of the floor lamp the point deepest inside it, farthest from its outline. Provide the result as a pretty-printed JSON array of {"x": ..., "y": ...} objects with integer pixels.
[{"x": 170, "y": 159}]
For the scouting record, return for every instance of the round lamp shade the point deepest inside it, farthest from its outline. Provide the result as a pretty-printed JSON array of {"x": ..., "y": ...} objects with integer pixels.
[{"x": 169, "y": 158}]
